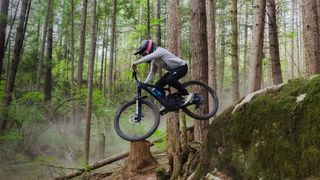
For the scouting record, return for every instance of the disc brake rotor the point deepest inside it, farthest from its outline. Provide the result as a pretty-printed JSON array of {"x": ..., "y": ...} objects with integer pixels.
[{"x": 133, "y": 119}]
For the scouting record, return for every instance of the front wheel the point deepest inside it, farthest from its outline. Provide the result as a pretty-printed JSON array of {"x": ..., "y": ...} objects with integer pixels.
[
  {"x": 133, "y": 127},
  {"x": 205, "y": 101}
]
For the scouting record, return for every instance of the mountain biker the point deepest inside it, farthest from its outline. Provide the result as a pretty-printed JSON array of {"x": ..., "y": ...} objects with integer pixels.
[{"x": 159, "y": 57}]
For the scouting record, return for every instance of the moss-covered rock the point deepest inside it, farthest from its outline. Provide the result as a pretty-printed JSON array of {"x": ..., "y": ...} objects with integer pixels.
[{"x": 275, "y": 135}]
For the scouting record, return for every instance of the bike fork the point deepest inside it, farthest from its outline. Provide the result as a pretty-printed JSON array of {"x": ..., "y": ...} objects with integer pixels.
[{"x": 138, "y": 112}]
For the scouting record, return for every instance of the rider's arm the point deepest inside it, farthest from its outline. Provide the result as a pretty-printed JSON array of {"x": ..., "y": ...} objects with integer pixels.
[
  {"x": 149, "y": 57},
  {"x": 153, "y": 71}
]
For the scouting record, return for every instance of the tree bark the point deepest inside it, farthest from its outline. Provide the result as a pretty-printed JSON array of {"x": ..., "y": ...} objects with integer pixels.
[
  {"x": 257, "y": 45},
  {"x": 274, "y": 44},
  {"x": 43, "y": 44},
  {"x": 48, "y": 64},
  {"x": 105, "y": 64},
  {"x": 298, "y": 38},
  {"x": 18, "y": 44},
  {"x": 72, "y": 44},
  {"x": 139, "y": 158},
  {"x": 212, "y": 44},
  {"x": 293, "y": 2},
  {"x": 311, "y": 36},
  {"x": 199, "y": 59},
  {"x": 158, "y": 26},
  {"x": 8, "y": 41},
  {"x": 222, "y": 56},
  {"x": 3, "y": 27},
  {"x": 318, "y": 11},
  {"x": 82, "y": 41},
  {"x": 173, "y": 45},
  {"x": 112, "y": 46},
  {"x": 245, "y": 53},
  {"x": 90, "y": 81},
  {"x": 148, "y": 20},
  {"x": 103, "y": 54},
  {"x": 234, "y": 51}
]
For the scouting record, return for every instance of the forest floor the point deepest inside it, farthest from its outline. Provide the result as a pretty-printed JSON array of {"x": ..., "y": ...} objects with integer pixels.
[{"x": 148, "y": 173}]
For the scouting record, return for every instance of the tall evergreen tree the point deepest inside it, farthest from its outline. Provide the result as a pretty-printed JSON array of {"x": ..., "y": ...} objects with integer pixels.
[
  {"x": 257, "y": 44},
  {"x": 274, "y": 44},
  {"x": 199, "y": 57},
  {"x": 311, "y": 36},
  {"x": 48, "y": 64},
  {"x": 92, "y": 54},
  {"x": 234, "y": 51},
  {"x": 18, "y": 44},
  {"x": 3, "y": 27},
  {"x": 173, "y": 45},
  {"x": 43, "y": 44},
  {"x": 82, "y": 41}
]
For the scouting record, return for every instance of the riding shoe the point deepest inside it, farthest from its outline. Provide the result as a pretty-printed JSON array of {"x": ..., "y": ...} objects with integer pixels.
[{"x": 187, "y": 99}]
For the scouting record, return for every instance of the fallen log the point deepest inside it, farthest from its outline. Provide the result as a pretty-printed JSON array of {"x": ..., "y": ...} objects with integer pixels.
[{"x": 100, "y": 163}]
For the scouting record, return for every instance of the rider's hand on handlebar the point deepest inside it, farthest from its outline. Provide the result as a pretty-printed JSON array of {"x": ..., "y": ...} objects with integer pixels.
[{"x": 134, "y": 67}]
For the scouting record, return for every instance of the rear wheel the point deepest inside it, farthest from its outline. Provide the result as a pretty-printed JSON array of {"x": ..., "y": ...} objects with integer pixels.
[
  {"x": 205, "y": 102},
  {"x": 131, "y": 127}
]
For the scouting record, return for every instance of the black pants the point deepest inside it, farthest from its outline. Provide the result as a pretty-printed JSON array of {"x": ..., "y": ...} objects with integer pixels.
[{"x": 172, "y": 79}]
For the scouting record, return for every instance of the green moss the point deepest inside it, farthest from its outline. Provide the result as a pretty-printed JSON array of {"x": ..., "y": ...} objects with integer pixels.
[{"x": 273, "y": 136}]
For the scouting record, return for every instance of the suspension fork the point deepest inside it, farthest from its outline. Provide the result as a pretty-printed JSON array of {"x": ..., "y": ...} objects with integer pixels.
[{"x": 138, "y": 112}]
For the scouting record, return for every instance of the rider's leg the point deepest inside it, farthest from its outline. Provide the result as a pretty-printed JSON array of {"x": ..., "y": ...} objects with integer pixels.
[
  {"x": 173, "y": 79},
  {"x": 162, "y": 82}
]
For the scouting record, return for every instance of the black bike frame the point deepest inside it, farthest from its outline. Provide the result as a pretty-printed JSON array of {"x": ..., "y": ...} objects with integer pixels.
[{"x": 148, "y": 88}]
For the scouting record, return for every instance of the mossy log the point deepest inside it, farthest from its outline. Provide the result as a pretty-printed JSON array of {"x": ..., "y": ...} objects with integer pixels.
[{"x": 274, "y": 134}]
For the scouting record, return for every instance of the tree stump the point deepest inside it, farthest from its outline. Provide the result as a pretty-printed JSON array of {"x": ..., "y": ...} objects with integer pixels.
[{"x": 140, "y": 159}]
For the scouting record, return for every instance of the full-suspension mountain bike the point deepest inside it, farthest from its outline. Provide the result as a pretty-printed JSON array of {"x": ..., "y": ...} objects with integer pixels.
[{"x": 139, "y": 118}]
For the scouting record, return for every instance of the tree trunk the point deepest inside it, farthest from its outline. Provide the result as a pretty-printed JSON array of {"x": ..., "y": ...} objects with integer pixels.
[
  {"x": 105, "y": 64},
  {"x": 257, "y": 45},
  {"x": 158, "y": 26},
  {"x": 8, "y": 41},
  {"x": 48, "y": 64},
  {"x": 234, "y": 51},
  {"x": 43, "y": 44},
  {"x": 18, "y": 44},
  {"x": 3, "y": 27},
  {"x": 311, "y": 36},
  {"x": 148, "y": 20},
  {"x": 112, "y": 46},
  {"x": 318, "y": 11},
  {"x": 212, "y": 44},
  {"x": 72, "y": 44},
  {"x": 103, "y": 54},
  {"x": 298, "y": 28},
  {"x": 293, "y": 2},
  {"x": 245, "y": 53},
  {"x": 139, "y": 158},
  {"x": 199, "y": 59},
  {"x": 274, "y": 44},
  {"x": 82, "y": 42},
  {"x": 173, "y": 44},
  {"x": 222, "y": 56},
  {"x": 90, "y": 80}
]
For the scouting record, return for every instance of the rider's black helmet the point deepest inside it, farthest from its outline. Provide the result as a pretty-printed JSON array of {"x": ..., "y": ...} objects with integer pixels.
[{"x": 147, "y": 46}]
